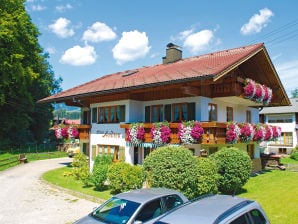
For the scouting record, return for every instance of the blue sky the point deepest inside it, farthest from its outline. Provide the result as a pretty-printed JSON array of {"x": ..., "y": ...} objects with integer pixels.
[{"x": 87, "y": 39}]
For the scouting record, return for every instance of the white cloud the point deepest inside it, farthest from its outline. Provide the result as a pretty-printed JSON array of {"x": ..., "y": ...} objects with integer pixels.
[
  {"x": 257, "y": 22},
  {"x": 61, "y": 27},
  {"x": 63, "y": 8},
  {"x": 288, "y": 74},
  {"x": 131, "y": 46},
  {"x": 99, "y": 32},
  {"x": 38, "y": 7},
  {"x": 198, "y": 41},
  {"x": 79, "y": 56}
]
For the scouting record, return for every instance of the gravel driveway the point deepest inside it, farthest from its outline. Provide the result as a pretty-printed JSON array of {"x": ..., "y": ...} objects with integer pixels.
[{"x": 26, "y": 199}]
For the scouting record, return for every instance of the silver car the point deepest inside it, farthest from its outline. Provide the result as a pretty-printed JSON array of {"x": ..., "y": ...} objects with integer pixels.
[
  {"x": 135, "y": 207},
  {"x": 216, "y": 209}
]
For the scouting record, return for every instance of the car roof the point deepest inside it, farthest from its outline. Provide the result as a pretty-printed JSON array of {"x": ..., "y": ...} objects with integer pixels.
[
  {"x": 207, "y": 209},
  {"x": 147, "y": 194}
]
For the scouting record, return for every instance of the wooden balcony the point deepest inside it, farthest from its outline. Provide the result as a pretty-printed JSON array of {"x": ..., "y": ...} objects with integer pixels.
[
  {"x": 84, "y": 131},
  {"x": 214, "y": 132}
]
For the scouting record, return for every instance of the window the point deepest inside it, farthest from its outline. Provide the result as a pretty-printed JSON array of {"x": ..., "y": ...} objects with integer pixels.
[
  {"x": 257, "y": 216},
  {"x": 284, "y": 118},
  {"x": 112, "y": 150},
  {"x": 157, "y": 113},
  {"x": 282, "y": 150},
  {"x": 286, "y": 138},
  {"x": 212, "y": 111},
  {"x": 86, "y": 118},
  {"x": 151, "y": 210},
  {"x": 111, "y": 114},
  {"x": 94, "y": 115},
  {"x": 248, "y": 116},
  {"x": 147, "y": 151},
  {"x": 170, "y": 112},
  {"x": 180, "y": 112},
  {"x": 230, "y": 116},
  {"x": 183, "y": 112}
]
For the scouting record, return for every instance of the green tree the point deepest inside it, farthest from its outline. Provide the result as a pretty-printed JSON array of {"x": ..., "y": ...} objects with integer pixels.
[{"x": 25, "y": 77}]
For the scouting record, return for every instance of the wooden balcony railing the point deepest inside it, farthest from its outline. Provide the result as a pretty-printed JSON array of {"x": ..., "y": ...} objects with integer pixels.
[{"x": 214, "y": 132}]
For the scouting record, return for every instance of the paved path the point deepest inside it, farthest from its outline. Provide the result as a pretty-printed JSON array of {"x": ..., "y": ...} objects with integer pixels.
[{"x": 26, "y": 199}]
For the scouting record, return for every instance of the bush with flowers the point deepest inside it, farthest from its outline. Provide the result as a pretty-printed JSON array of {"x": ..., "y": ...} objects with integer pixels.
[
  {"x": 136, "y": 133},
  {"x": 190, "y": 132},
  {"x": 246, "y": 132},
  {"x": 66, "y": 132},
  {"x": 232, "y": 133},
  {"x": 257, "y": 92},
  {"x": 160, "y": 133}
]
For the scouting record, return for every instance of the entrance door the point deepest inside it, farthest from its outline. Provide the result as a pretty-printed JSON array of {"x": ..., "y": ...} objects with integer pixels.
[{"x": 135, "y": 155}]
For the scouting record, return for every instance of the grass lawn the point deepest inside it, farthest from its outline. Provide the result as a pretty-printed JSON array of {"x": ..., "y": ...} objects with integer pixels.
[
  {"x": 58, "y": 177},
  {"x": 277, "y": 192}
]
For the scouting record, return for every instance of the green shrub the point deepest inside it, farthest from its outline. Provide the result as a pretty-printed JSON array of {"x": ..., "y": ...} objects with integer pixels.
[
  {"x": 80, "y": 168},
  {"x": 207, "y": 176},
  {"x": 100, "y": 170},
  {"x": 172, "y": 167},
  {"x": 234, "y": 167},
  {"x": 294, "y": 155},
  {"x": 123, "y": 177}
]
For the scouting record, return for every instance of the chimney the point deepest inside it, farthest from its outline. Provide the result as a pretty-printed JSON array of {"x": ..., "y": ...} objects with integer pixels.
[{"x": 172, "y": 54}]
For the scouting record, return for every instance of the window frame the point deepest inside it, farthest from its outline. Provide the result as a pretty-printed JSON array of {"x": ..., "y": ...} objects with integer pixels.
[
  {"x": 212, "y": 112},
  {"x": 110, "y": 114},
  {"x": 230, "y": 114}
]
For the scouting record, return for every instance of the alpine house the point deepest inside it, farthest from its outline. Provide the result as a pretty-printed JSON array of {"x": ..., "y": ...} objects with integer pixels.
[{"x": 204, "y": 102}]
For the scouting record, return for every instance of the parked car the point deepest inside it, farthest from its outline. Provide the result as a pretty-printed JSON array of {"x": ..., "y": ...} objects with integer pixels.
[
  {"x": 216, "y": 209},
  {"x": 135, "y": 207}
]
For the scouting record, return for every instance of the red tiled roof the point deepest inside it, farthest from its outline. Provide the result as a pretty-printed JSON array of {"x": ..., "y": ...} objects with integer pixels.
[{"x": 197, "y": 67}]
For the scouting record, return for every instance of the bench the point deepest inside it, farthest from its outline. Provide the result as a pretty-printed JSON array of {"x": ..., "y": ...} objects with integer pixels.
[{"x": 22, "y": 158}]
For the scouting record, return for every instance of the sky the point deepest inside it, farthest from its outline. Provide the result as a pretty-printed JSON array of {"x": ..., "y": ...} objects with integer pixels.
[{"x": 86, "y": 39}]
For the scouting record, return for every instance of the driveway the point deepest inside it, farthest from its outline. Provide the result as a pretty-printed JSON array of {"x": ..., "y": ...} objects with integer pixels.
[{"x": 26, "y": 199}]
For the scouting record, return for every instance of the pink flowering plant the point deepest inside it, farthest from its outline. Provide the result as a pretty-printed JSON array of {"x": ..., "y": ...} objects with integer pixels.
[
  {"x": 257, "y": 92},
  {"x": 66, "y": 132},
  {"x": 246, "y": 132},
  {"x": 136, "y": 133},
  {"x": 190, "y": 132},
  {"x": 276, "y": 132},
  {"x": 260, "y": 133},
  {"x": 160, "y": 133},
  {"x": 232, "y": 132},
  {"x": 268, "y": 133},
  {"x": 249, "y": 88}
]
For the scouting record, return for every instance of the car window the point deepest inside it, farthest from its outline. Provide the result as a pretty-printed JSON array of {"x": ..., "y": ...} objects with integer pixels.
[
  {"x": 257, "y": 217},
  {"x": 172, "y": 201},
  {"x": 151, "y": 210},
  {"x": 243, "y": 219},
  {"x": 115, "y": 210}
]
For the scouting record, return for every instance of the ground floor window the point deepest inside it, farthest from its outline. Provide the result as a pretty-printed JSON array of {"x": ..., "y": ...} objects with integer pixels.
[
  {"x": 282, "y": 150},
  {"x": 112, "y": 150},
  {"x": 286, "y": 138}
]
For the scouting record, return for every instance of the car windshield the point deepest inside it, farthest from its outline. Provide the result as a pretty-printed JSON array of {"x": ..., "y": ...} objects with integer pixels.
[{"x": 116, "y": 211}]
